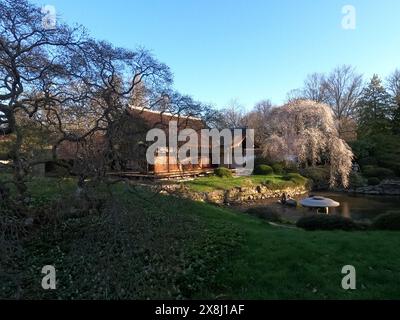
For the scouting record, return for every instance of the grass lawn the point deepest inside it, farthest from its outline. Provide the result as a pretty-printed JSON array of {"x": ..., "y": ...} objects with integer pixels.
[
  {"x": 154, "y": 246},
  {"x": 278, "y": 263},
  {"x": 211, "y": 183}
]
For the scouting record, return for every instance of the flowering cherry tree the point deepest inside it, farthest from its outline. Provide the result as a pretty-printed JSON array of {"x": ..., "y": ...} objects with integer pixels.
[{"x": 305, "y": 131}]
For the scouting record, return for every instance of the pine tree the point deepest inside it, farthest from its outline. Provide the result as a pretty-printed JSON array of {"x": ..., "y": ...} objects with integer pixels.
[
  {"x": 396, "y": 111},
  {"x": 394, "y": 89},
  {"x": 376, "y": 107},
  {"x": 396, "y": 121}
]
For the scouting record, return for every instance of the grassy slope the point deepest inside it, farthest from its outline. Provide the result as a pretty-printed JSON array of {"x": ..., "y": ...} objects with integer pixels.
[
  {"x": 141, "y": 246},
  {"x": 165, "y": 247},
  {"x": 276, "y": 263},
  {"x": 215, "y": 183}
]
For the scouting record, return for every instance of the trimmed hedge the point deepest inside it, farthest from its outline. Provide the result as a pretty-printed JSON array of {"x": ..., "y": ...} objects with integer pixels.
[
  {"x": 263, "y": 169},
  {"x": 387, "y": 221},
  {"x": 291, "y": 167},
  {"x": 326, "y": 222},
  {"x": 223, "y": 172},
  {"x": 295, "y": 177},
  {"x": 319, "y": 176},
  {"x": 278, "y": 168}
]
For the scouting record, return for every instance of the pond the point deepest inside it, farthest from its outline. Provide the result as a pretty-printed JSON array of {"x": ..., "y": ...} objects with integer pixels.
[{"x": 356, "y": 207}]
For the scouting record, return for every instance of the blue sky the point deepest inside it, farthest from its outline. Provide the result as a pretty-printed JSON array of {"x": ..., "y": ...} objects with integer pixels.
[{"x": 250, "y": 50}]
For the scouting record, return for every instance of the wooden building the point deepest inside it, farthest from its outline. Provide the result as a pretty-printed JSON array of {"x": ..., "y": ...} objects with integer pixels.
[
  {"x": 135, "y": 162},
  {"x": 166, "y": 161}
]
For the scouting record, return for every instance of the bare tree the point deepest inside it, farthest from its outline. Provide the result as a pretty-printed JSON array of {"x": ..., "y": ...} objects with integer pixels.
[
  {"x": 344, "y": 86},
  {"x": 101, "y": 97},
  {"x": 394, "y": 85},
  {"x": 73, "y": 86},
  {"x": 340, "y": 89},
  {"x": 233, "y": 115},
  {"x": 294, "y": 95},
  {"x": 257, "y": 119},
  {"x": 314, "y": 88},
  {"x": 33, "y": 67}
]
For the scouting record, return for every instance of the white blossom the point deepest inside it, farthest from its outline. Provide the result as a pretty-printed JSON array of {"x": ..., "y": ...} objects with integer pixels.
[{"x": 306, "y": 130}]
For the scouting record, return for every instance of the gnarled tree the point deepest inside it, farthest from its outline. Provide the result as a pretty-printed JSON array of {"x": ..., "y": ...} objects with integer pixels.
[
  {"x": 34, "y": 67},
  {"x": 74, "y": 88}
]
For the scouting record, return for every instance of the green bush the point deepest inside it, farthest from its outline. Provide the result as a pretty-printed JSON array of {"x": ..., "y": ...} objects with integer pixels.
[
  {"x": 261, "y": 160},
  {"x": 223, "y": 172},
  {"x": 387, "y": 221},
  {"x": 278, "y": 168},
  {"x": 380, "y": 150},
  {"x": 263, "y": 169},
  {"x": 357, "y": 180},
  {"x": 295, "y": 177},
  {"x": 373, "y": 181},
  {"x": 319, "y": 176},
  {"x": 378, "y": 172},
  {"x": 368, "y": 161},
  {"x": 326, "y": 222},
  {"x": 291, "y": 167}
]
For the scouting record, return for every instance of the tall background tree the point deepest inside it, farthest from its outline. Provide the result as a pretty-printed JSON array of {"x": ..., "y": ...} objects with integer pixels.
[
  {"x": 377, "y": 148},
  {"x": 340, "y": 89},
  {"x": 375, "y": 109},
  {"x": 394, "y": 90},
  {"x": 344, "y": 86},
  {"x": 233, "y": 115},
  {"x": 258, "y": 119},
  {"x": 314, "y": 88}
]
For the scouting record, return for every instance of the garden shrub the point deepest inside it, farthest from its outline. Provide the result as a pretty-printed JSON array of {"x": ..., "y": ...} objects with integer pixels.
[
  {"x": 223, "y": 172},
  {"x": 373, "y": 181},
  {"x": 387, "y": 221},
  {"x": 296, "y": 178},
  {"x": 278, "y": 168},
  {"x": 291, "y": 167},
  {"x": 261, "y": 160},
  {"x": 378, "y": 172},
  {"x": 356, "y": 180},
  {"x": 263, "y": 169},
  {"x": 319, "y": 176},
  {"x": 326, "y": 222},
  {"x": 368, "y": 161},
  {"x": 378, "y": 149}
]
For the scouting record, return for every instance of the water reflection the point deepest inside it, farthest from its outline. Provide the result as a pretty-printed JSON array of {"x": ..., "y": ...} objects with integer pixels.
[
  {"x": 346, "y": 209},
  {"x": 357, "y": 207}
]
